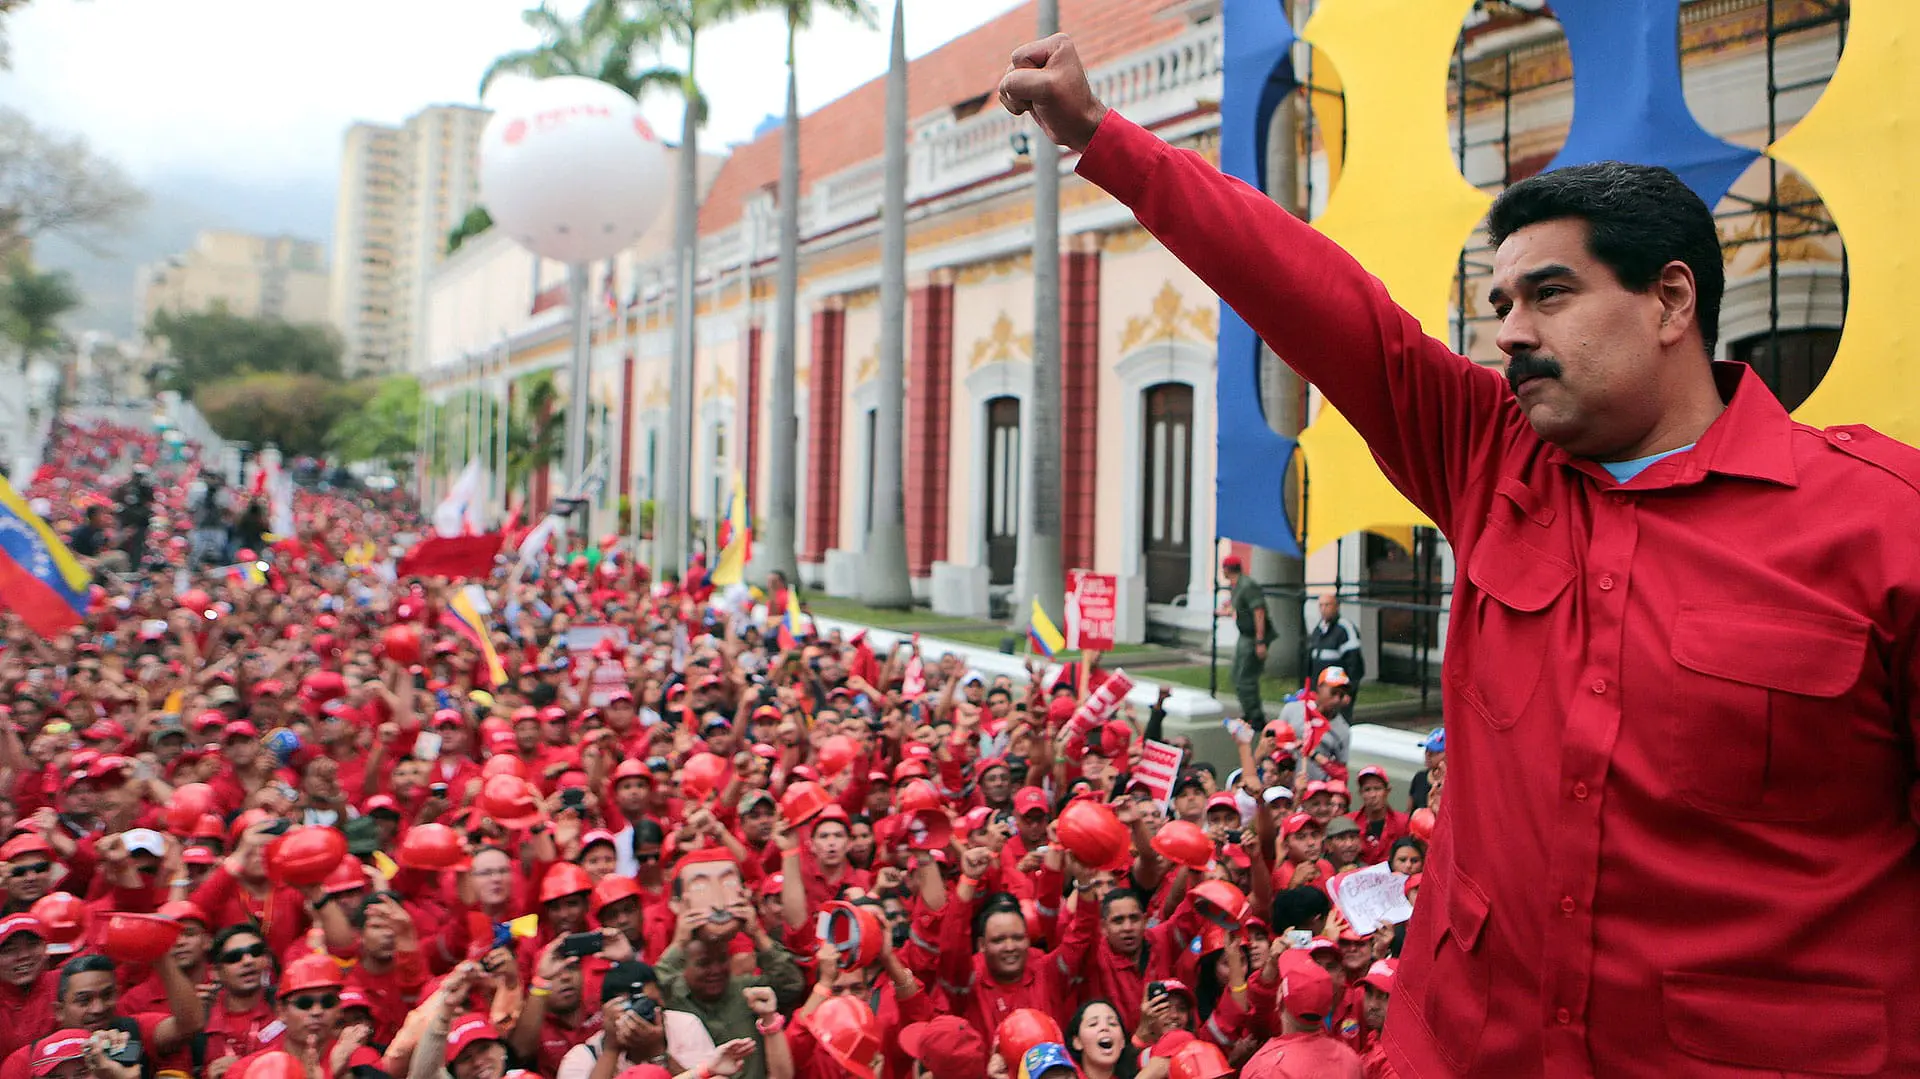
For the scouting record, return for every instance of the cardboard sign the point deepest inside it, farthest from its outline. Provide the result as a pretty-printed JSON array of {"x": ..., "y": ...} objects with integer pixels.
[
  {"x": 1371, "y": 897},
  {"x": 584, "y": 638},
  {"x": 609, "y": 677},
  {"x": 1101, "y": 703},
  {"x": 1092, "y": 610},
  {"x": 1159, "y": 767}
]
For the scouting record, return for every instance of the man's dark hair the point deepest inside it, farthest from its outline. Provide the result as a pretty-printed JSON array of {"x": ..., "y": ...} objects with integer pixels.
[
  {"x": 1115, "y": 895},
  {"x": 1639, "y": 218},
  {"x": 78, "y": 965}
]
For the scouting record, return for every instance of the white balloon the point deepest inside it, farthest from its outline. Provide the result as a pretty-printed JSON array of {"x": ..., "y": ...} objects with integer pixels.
[{"x": 570, "y": 169}]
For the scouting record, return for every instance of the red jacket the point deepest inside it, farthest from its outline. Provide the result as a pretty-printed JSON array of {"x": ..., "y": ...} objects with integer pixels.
[
  {"x": 973, "y": 993},
  {"x": 1681, "y": 736},
  {"x": 1374, "y": 848},
  {"x": 1103, "y": 973},
  {"x": 393, "y": 992},
  {"x": 282, "y": 917}
]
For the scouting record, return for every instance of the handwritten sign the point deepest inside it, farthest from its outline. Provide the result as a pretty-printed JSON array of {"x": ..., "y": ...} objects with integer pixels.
[
  {"x": 1159, "y": 767},
  {"x": 1371, "y": 897},
  {"x": 1092, "y": 610}
]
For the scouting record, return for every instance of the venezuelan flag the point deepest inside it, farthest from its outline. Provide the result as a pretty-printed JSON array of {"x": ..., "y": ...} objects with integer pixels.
[
  {"x": 790, "y": 625},
  {"x": 466, "y": 615},
  {"x": 246, "y": 573},
  {"x": 40, "y": 579},
  {"x": 736, "y": 539},
  {"x": 1041, "y": 634}
]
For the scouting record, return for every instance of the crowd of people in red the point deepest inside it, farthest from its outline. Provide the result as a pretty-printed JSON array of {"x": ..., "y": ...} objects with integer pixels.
[{"x": 286, "y": 826}]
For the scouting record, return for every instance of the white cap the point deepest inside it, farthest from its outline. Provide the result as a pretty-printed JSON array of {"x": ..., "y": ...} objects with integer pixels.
[
  {"x": 1274, "y": 794},
  {"x": 145, "y": 840}
]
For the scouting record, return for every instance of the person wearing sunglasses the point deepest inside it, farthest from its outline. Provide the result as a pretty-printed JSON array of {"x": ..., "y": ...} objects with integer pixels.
[
  {"x": 87, "y": 997},
  {"x": 240, "y": 1019},
  {"x": 29, "y": 861},
  {"x": 308, "y": 1004}
]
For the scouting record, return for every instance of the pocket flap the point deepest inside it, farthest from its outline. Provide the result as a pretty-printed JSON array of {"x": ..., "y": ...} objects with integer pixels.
[
  {"x": 1813, "y": 655},
  {"x": 1466, "y": 910},
  {"x": 1764, "y": 1023},
  {"x": 1516, "y": 573}
]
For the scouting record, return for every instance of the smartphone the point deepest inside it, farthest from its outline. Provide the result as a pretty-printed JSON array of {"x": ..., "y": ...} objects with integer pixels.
[
  {"x": 581, "y": 945},
  {"x": 1298, "y": 938},
  {"x": 1234, "y": 836},
  {"x": 438, "y": 790},
  {"x": 1156, "y": 990},
  {"x": 278, "y": 826},
  {"x": 573, "y": 798}
]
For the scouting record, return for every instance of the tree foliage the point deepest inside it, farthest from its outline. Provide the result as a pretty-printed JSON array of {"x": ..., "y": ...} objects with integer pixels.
[
  {"x": 536, "y": 428},
  {"x": 31, "y": 304},
  {"x": 292, "y": 411},
  {"x": 385, "y": 429},
  {"x": 215, "y": 346},
  {"x": 477, "y": 221},
  {"x": 52, "y": 184}
]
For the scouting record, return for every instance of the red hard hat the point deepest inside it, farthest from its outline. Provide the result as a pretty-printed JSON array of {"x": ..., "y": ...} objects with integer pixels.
[
  {"x": 1024, "y": 1028},
  {"x": 402, "y": 643},
  {"x": 1220, "y": 903},
  {"x": 849, "y": 1032},
  {"x": 189, "y": 803},
  {"x": 305, "y": 856},
  {"x": 1198, "y": 1060},
  {"x": 509, "y": 800},
  {"x": 562, "y": 880},
  {"x": 65, "y": 917},
  {"x": 208, "y": 826},
  {"x": 916, "y": 795},
  {"x": 323, "y": 686},
  {"x": 929, "y": 829},
  {"x": 612, "y": 889},
  {"x": 803, "y": 802},
  {"x": 1421, "y": 823},
  {"x": 911, "y": 768},
  {"x": 247, "y": 819},
  {"x": 700, "y": 777},
  {"x": 837, "y": 754},
  {"x": 857, "y": 932},
  {"x": 632, "y": 768},
  {"x": 504, "y": 764},
  {"x": 310, "y": 972},
  {"x": 1184, "y": 843},
  {"x": 1093, "y": 835},
  {"x": 349, "y": 876},
  {"x": 431, "y": 846},
  {"x": 138, "y": 938},
  {"x": 276, "y": 1065}
]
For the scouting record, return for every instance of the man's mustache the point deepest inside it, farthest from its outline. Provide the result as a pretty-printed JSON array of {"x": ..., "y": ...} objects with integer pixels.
[{"x": 1527, "y": 364}]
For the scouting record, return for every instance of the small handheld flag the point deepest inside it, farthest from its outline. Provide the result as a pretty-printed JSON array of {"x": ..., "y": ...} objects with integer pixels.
[{"x": 1041, "y": 634}]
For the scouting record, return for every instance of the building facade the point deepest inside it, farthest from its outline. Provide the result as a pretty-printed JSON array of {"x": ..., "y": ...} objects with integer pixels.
[
  {"x": 278, "y": 277},
  {"x": 1138, "y": 343},
  {"x": 402, "y": 191}
]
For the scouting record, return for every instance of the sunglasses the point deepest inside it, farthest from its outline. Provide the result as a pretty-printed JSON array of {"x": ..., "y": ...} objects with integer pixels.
[
  {"x": 305, "y": 1003},
  {"x": 31, "y": 868},
  {"x": 251, "y": 951}
]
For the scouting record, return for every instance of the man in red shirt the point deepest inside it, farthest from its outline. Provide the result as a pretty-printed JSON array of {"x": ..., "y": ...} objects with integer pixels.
[
  {"x": 392, "y": 970},
  {"x": 240, "y": 1018},
  {"x": 1303, "y": 1049},
  {"x": 987, "y": 980},
  {"x": 1614, "y": 498},
  {"x": 26, "y": 984},
  {"x": 29, "y": 862},
  {"x": 1127, "y": 954},
  {"x": 1380, "y": 824}
]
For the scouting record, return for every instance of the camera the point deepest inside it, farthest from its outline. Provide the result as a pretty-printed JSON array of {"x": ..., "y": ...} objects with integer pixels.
[
  {"x": 573, "y": 798},
  {"x": 644, "y": 1006}
]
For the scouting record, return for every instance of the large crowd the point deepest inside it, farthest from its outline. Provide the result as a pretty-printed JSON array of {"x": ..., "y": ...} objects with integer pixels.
[{"x": 273, "y": 813}]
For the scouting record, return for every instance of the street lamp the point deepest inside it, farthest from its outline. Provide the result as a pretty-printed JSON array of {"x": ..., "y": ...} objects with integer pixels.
[{"x": 572, "y": 172}]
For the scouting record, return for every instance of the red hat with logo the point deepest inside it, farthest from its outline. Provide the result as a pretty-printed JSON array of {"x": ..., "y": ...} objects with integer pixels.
[
  {"x": 1381, "y": 975},
  {"x": 468, "y": 1031},
  {"x": 1299, "y": 821},
  {"x": 1306, "y": 990},
  {"x": 56, "y": 1049},
  {"x": 947, "y": 1047},
  {"x": 1030, "y": 800},
  {"x": 14, "y": 924}
]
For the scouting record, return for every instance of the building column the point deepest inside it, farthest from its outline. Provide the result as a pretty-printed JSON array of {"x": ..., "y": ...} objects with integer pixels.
[
  {"x": 929, "y": 422},
  {"x": 750, "y": 419},
  {"x": 823, "y": 430},
  {"x": 626, "y": 432},
  {"x": 1079, "y": 398}
]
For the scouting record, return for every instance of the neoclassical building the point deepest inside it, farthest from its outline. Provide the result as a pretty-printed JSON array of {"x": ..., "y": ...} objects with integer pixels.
[{"x": 1138, "y": 355}]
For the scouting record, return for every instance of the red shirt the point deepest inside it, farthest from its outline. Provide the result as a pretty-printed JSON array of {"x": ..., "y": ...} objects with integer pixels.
[
  {"x": 27, "y": 1015},
  {"x": 1682, "y": 709},
  {"x": 1104, "y": 973},
  {"x": 282, "y": 917},
  {"x": 239, "y": 1034},
  {"x": 1303, "y": 1056},
  {"x": 975, "y": 995},
  {"x": 1393, "y": 828},
  {"x": 393, "y": 992}
]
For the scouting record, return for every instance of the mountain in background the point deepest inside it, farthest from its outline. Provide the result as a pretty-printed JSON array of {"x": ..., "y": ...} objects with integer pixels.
[{"x": 180, "y": 206}]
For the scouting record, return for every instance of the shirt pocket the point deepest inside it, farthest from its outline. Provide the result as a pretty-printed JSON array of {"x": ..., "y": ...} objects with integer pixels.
[
  {"x": 1754, "y": 688},
  {"x": 1455, "y": 1003},
  {"x": 1515, "y": 611},
  {"x": 1764, "y": 1023}
]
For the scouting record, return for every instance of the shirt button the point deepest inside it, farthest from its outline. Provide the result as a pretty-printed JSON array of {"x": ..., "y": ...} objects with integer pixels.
[
  {"x": 1563, "y": 1016},
  {"x": 1618, "y": 500},
  {"x": 1599, "y": 685},
  {"x": 1606, "y": 583},
  {"x": 1843, "y": 436},
  {"x": 1580, "y": 791},
  {"x": 1566, "y": 904}
]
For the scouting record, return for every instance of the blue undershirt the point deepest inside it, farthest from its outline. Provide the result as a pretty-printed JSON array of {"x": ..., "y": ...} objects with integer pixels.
[{"x": 1624, "y": 471}]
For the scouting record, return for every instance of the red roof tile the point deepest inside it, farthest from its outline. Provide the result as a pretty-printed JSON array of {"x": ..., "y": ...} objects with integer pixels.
[{"x": 848, "y": 131}]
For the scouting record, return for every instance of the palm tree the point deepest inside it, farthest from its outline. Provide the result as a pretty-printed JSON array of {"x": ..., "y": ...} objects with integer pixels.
[
  {"x": 885, "y": 583},
  {"x": 31, "y": 305},
  {"x": 599, "y": 45},
  {"x": 534, "y": 431},
  {"x": 781, "y": 513},
  {"x": 1044, "y": 573}
]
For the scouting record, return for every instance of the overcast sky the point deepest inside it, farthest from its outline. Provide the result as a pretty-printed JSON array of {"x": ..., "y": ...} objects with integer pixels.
[{"x": 262, "y": 89}]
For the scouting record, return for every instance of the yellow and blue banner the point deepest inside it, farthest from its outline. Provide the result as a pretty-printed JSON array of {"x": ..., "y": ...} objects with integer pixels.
[
  {"x": 736, "y": 539},
  {"x": 40, "y": 580},
  {"x": 1042, "y": 635},
  {"x": 466, "y": 614}
]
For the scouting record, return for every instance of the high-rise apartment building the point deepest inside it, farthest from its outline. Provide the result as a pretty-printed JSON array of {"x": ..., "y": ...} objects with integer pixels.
[
  {"x": 365, "y": 229},
  {"x": 402, "y": 190},
  {"x": 252, "y": 276}
]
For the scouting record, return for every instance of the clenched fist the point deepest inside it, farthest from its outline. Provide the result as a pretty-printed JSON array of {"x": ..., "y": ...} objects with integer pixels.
[{"x": 1046, "y": 78}]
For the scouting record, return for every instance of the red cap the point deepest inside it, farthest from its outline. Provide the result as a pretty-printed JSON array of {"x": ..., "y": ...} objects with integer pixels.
[
  {"x": 239, "y": 728},
  {"x": 1297, "y": 822},
  {"x": 56, "y": 1049},
  {"x": 771, "y": 884},
  {"x": 1030, "y": 800},
  {"x": 1232, "y": 562},
  {"x": 24, "y": 844},
  {"x": 382, "y": 802},
  {"x": 467, "y": 1031},
  {"x": 947, "y": 1046},
  {"x": 1381, "y": 975},
  {"x": 1372, "y": 771},
  {"x": 21, "y": 923},
  {"x": 199, "y": 856},
  {"x": 354, "y": 998},
  {"x": 1306, "y": 991},
  {"x": 311, "y": 972},
  {"x": 1223, "y": 800},
  {"x": 184, "y": 910}
]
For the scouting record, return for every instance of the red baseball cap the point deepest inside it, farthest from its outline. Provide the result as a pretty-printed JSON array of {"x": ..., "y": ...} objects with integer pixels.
[
  {"x": 14, "y": 924},
  {"x": 1223, "y": 800},
  {"x": 1030, "y": 800},
  {"x": 947, "y": 1046},
  {"x": 469, "y": 1030},
  {"x": 23, "y": 844},
  {"x": 1232, "y": 562},
  {"x": 199, "y": 856},
  {"x": 354, "y": 998},
  {"x": 1381, "y": 975},
  {"x": 1306, "y": 991},
  {"x": 56, "y": 1049},
  {"x": 1372, "y": 771},
  {"x": 1299, "y": 821}
]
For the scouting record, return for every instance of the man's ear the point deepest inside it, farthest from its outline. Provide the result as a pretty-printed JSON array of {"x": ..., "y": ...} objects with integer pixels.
[{"x": 1678, "y": 294}]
